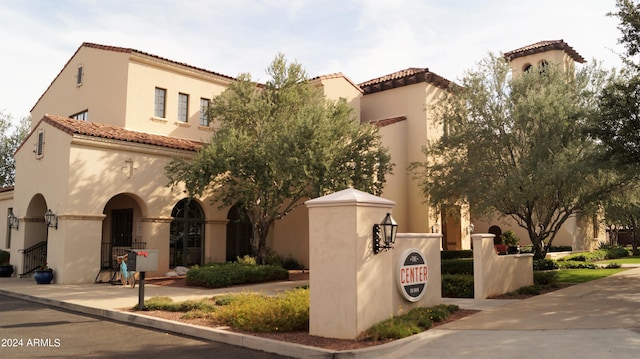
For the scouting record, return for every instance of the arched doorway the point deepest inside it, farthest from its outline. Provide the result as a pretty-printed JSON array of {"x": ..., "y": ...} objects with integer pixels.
[
  {"x": 239, "y": 234},
  {"x": 119, "y": 230},
  {"x": 186, "y": 234},
  {"x": 36, "y": 235}
]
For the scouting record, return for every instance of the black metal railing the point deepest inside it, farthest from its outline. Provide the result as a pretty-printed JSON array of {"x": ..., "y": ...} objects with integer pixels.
[
  {"x": 33, "y": 257},
  {"x": 109, "y": 254}
]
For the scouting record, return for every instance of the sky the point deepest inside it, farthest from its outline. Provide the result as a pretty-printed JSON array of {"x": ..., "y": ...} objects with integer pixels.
[{"x": 363, "y": 39}]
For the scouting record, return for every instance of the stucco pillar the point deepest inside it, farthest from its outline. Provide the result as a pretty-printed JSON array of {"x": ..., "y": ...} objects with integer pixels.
[
  {"x": 351, "y": 288},
  {"x": 73, "y": 249},
  {"x": 215, "y": 245}
]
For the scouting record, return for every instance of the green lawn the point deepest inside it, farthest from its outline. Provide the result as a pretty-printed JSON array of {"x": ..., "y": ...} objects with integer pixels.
[{"x": 585, "y": 275}]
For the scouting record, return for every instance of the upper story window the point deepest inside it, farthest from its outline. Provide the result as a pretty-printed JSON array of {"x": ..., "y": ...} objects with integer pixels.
[
  {"x": 183, "y": 107},
  {"x": 204, "y": 112},
  {"x": 160, "y": 103},
  {"x": 82, "y": 116},
  {"x": 79, "y": 76},
  {"x": 39, "y": 150}
]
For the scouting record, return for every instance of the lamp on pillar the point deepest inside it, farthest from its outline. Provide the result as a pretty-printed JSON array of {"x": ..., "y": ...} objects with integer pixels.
[
  {"x": 384, "y": 234},
  {"x": 470, "y": 228},
  {"x": 51, "y": 219},
  {"x": 14, "y": 222}
]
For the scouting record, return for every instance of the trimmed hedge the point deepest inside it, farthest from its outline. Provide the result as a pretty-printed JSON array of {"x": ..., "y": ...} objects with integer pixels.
[
  {"x": 220, "y": 275},
  {"x": 457, "y": 266},
  {"x": 467, "y": 253},
  {"x": 457, "y": 285}
]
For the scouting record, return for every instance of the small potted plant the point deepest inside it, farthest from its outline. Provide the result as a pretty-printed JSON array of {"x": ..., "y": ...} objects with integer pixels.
[
  {"x": 512, "y": 241},
  {"x": 6, "y": 269},
  {"x": 44, "y": 274}
]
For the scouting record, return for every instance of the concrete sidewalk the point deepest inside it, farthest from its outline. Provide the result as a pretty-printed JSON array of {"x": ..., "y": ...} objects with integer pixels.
[{"x": 597, "y": 319}]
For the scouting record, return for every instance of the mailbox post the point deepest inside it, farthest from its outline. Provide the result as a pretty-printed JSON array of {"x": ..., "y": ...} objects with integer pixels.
[{"x": 142, "y": 261}]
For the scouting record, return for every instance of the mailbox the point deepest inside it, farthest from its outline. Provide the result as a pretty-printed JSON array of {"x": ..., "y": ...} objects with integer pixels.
[{"x": 143, "y": 260}]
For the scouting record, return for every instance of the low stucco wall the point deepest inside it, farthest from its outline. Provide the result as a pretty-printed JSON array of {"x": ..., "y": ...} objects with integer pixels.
[{"x": 494, "y": 274}]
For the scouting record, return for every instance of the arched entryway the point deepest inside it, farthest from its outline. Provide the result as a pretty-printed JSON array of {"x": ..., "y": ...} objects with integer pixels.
[
  {"x": 120, "y": 231},
  {"x": 186, "y": 234},
  {"x": 239, "y": 234},
  {"x": 36, "y": 235}
]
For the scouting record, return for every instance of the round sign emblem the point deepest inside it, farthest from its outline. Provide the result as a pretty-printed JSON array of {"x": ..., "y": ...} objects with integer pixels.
[{"x": 413, "y": 274}]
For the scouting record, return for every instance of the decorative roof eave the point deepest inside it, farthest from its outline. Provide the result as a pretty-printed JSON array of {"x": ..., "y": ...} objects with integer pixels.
[
  {"x": 388, "y": 121},
  {"x": 543, "y": 46},
  {"x": 404, "y": 78}
]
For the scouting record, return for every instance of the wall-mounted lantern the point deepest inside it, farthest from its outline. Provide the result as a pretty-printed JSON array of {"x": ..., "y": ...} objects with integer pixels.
[
  {"x": 14, "y": 222},
  {"x": 51, "y": 219},
  {"x": 384, "y": 234},
  {"x": 470, "y": 228}
]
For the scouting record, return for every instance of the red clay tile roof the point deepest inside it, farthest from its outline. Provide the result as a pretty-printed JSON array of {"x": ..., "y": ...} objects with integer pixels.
[
  {"x": 403, "y": 78},
  {"x": 545, "y": 46},
  {"x": 101, "y": 130},
  {"x": 388, "y": 121},
  {"x": 128, "y": 51},
  {"x": 6, "y": 189},
  {"x": 336, "y": 76}
]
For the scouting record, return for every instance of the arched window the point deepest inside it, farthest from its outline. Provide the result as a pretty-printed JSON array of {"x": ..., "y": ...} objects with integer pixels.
[{"x": 186, "y": 234}]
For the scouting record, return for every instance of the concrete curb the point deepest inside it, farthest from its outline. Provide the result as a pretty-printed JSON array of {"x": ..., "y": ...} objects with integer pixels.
[{"x": 388, "y": 350}]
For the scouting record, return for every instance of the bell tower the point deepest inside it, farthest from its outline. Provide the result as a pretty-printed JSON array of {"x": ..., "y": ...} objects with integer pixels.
[{"x": 542, "y": 53}]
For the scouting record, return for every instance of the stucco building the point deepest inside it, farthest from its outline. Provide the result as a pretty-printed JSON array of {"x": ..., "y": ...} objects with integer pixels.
[{"x": 113, "y": 117}]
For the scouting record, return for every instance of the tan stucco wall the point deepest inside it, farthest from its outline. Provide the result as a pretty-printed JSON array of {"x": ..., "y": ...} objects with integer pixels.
[
  {"x": 494, "y": 274},
  {"x": 103, "y": 89},
  {"x": 576, "y": 232},
  {"x": 412, "y": 101},
  {"x": 338, "y": 87},
  {"x": 145, "y": 75}
]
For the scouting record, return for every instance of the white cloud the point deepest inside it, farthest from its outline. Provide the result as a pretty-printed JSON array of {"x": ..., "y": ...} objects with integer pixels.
[{"x": 363, "y": 39}]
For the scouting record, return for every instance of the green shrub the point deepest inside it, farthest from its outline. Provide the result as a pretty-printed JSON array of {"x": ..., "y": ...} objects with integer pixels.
[
  {"x": 246, "y": 260},
  {"x": 509, "y": 238},
  {"x": 616, "y": 252},
  {"x": 4, "y": 257},
  {"x": 457, "y": 266},
  {"x": 545, "y": 278},
  {"x": 576, "y": 264},
  {"x": 292, "y": 264},
  {"x": 227, "y": 274},
  {"x": 544, "y": 264},
  {"x": 466, "y": 253},
  {"x": 285, "y": 312},
  {"x": 457, "y": 285},
  {"x": 415, "y": 321}
]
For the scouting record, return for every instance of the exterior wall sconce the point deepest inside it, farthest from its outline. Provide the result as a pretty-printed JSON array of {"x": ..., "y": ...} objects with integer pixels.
[
  {"x": 14, "y": 222},
  {"x": 470, "y": 228},
  {"x": 384, "y": 234},
  {"x": 51, "y": 219}
]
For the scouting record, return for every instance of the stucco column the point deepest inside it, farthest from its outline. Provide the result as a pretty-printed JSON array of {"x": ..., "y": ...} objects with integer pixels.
[
  {"x": 483, "y": 250},
  {"x": 350, "y": 286},
  {"x": 215, "y": 244},
  {"x": 73, "y": 249}
]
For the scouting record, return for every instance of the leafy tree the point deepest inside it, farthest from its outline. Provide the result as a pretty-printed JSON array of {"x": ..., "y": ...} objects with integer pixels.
[
  {"x": 11, "y": 136},
  {"x": 623, "y": 211},
  {"x": 619, "y": 127},
  {"x": 515, "y": 146},
  {"x": 279, "y": 144}
]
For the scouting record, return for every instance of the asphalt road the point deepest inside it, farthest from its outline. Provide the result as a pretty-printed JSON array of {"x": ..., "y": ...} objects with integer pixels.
[{"x": 31, "y": 330}]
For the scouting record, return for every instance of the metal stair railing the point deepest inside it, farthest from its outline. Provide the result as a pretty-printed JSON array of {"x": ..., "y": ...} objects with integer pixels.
[{"x": 33, "y": 257}]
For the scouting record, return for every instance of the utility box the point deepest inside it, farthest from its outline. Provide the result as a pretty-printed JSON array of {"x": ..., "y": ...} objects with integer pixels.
[{"x": 142, "y": 260}]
